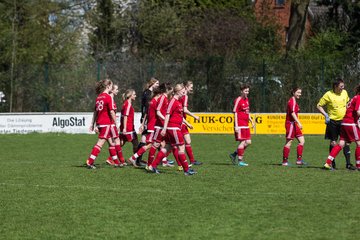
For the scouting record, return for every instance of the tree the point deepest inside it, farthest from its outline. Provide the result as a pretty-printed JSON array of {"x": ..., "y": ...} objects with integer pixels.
[
  {"x": 30, "y": 36},
  {"x": 298, "y": 17}
]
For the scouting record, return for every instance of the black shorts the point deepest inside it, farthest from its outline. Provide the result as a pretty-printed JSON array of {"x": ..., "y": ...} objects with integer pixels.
[{"x": 333, "y": 130}]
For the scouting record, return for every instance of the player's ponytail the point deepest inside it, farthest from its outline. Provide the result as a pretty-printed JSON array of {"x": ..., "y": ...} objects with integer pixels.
[{"x": 101, "y": 85}]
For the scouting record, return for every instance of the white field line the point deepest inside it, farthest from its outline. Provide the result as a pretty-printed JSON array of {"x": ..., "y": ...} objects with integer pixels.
[{"x": 121, "y": 189}]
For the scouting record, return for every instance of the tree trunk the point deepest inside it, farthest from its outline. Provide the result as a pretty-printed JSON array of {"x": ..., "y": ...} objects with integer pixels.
[{"x": 297, "y": 21}]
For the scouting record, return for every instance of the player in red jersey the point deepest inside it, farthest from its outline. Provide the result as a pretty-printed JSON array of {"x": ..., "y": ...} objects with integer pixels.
[
  {"x": 151, "y": 85},
  {"x": 127, "y": 129},
  {"x": 165, "y": 91},
  {"x": 293, "y": 129},
  {"x": 184, "y": 129},
  {"x": 150, "y": 128},
  {"x": 241, "y": 112},
  {"x": 105, "y": 119},
  {"x": 350, "y": 131},
  {"x": 114, "y": 92},
  {"x": 174, "y": 118}
]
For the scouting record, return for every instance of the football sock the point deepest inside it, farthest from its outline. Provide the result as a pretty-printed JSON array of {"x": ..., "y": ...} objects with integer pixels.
[
  {"x": 299, "y": 151},
  {"x": 161, "y": 154},
  {"x": 176, "y": 155},
  {"x": 113, "y": 154},
  {"x": 151, "y": 155},
  {"x": 286, "y": 152},
  {"x": 357, "y": 157},
  {"x": 119, "y": 153},
  {"x": 334, "y": 152},
  {"x": 94, "y": 153},
  {"x": 240, "y": 153},
  {"x": 330, "y": 149},
  {"x": 184, "y": 162},
  {"x": 347, "y": 153},
  {"x": 139, "y": 153},
  {"x": 189, "y": 152},
  {"x": 141, "y": 144}
]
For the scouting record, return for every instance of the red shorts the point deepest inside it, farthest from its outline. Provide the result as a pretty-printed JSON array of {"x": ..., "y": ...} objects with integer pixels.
[
  {"x": 107, "y": 131},
  {"x": 243, "y": 133},
  {"x": 128, "y": 137},
  {"x": 158, "y": 137},
  {"x": 184, "y": 129},
  {"x": 349, "y": 132},
  {"x": 175, "y": 136},
  {"x": 149, "y": 136},
  {"x": 292, "y": 130}
]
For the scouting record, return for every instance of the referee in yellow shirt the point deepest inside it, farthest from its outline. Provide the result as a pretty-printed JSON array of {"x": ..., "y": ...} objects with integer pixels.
[{"x": 335, "y": 102}]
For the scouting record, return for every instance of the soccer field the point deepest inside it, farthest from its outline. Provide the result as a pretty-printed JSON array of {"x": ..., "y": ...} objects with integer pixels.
[{"x": 46, "y": 193}]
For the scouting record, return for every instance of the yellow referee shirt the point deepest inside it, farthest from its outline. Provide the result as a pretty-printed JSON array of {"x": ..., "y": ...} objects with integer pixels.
[{"x": 335, "y": 104}]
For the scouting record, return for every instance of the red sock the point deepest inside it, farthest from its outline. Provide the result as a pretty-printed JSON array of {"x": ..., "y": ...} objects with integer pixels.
[
  {"x": 113, "y": 154},
  {"x": 151, "y": 155},
  {"x": 176, "y": 155},
  {"x": 240, "y": 152},
  {"x": 119, "y": 153},
  {"x": 286, "y": 152},
  {"x": 334, "y": 152},
  {"x": 299, "y": 151},
  {"x": 189, "y": 152},
  {"x": 139, "y": 153},
  {"x": 161, "y": 154},
  {"x": 184, "y": 162},
  {"x": 357, "y": 157},
  {"x": 94, "y": 153}
]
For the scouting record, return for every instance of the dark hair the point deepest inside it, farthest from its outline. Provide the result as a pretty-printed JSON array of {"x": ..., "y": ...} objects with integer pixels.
[
  {"x": 357, "y": 89},
  {"x": 337, "y": 83},
  {"x": 244, "y": 86},
  {"x": 294, "y": 90},
  {"x": 101, "y": 85},
  {"x": 163, "y": 88}
]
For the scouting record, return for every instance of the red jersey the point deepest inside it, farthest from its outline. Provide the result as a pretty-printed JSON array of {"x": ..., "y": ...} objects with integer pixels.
[
  {"x": 162, "y": 105},
  {"x": 176, "y": 111},
  {"x": 127, "y": 110},
  {"x": 104, "y": 104},
  {"x": 184, "y": 101},
  {"x": 351, "y": 110},
  {"x": 242, "y": 109},
  {"x": 292, "y": 107},
  {"x": 151, "y": 115}
]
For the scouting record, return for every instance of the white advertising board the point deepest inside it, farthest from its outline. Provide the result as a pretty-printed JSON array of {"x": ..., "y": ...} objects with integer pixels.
[{"x": 22, "y": 123}]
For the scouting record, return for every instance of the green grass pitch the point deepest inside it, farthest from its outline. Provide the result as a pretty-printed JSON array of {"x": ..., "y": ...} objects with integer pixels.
[{"x": 45, "y": 193}]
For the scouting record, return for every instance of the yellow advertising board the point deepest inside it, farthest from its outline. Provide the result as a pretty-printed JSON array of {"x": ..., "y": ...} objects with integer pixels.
[{"x": 265, "y": 123}]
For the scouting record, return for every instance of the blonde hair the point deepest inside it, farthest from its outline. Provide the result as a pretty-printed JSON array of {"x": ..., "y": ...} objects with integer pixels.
[
  {"x": 102, "y": 84},
  {"x": 126, "y": 95},
  {"x": 178, "y": 87},
  {"x": 188, "y": 83}
]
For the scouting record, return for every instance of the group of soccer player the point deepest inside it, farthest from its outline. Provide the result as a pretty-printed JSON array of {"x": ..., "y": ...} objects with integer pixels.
[
  {"x": 163, "y": 127},
  {"x": 341, "y": 118}
]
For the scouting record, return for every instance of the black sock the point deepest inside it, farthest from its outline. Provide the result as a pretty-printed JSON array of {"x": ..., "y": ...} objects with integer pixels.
[{"x": 347, "y": 153}]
